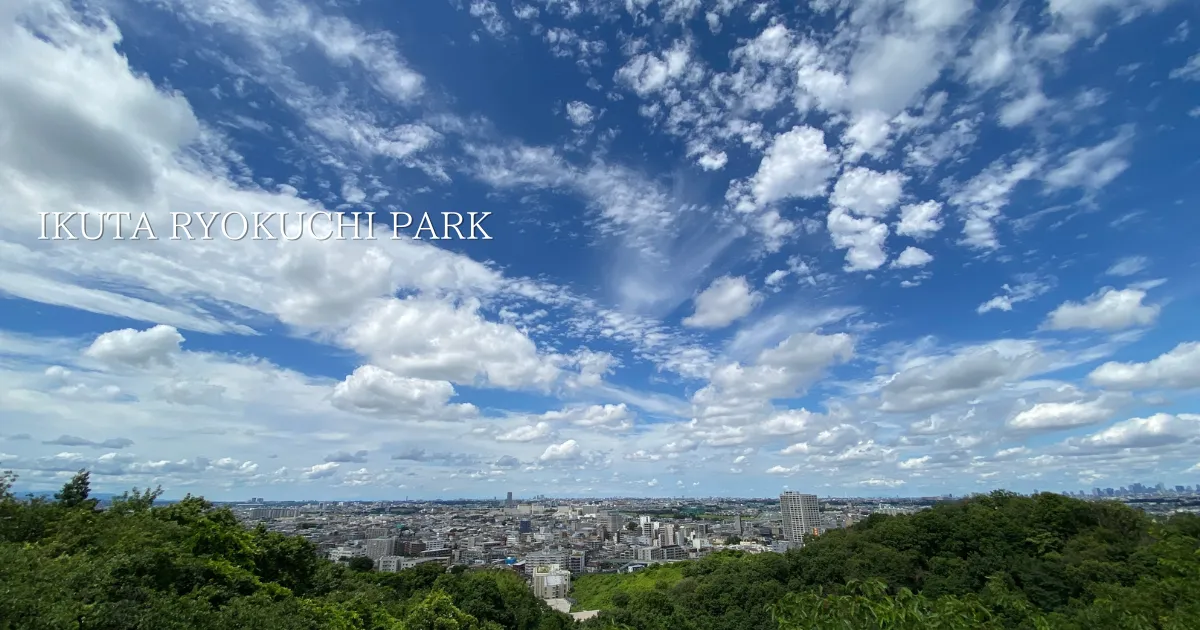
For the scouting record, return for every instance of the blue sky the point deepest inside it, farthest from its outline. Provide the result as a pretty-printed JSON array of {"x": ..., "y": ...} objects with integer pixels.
[{"x": 869, "y": 248}]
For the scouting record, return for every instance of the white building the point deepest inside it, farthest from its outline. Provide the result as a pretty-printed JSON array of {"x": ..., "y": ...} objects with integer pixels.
[
  {"x": 345, "y": 553},
  {"x": 801, "y": 516},
  {"x": 389, "y": 564},
  {"x": 551, "y": 582}
]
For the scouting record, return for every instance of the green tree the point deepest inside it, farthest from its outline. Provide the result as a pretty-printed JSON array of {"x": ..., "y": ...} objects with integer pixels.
[
  {"x": 361, "y": 563},
  {"x": 75, "y": 492}
]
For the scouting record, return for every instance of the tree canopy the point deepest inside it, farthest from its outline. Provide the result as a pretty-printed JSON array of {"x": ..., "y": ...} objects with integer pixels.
[
  {"x": 64, "y": 564},
  {"x": 997, "y": 561},
  {"x": 990, "y": 561}
]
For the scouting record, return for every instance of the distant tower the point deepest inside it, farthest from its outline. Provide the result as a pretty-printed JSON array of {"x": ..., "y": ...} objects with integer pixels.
[
  {"x": 508, "y": 502},
  {"x": 801, "y": 515},
  {"x": 737, "y": 524}
]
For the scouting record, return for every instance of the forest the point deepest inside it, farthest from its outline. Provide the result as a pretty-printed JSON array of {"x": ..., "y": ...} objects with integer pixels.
[{"x": 989, "y": 561}]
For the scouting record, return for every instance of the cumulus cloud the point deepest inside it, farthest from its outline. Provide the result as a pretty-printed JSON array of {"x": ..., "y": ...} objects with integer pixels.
[
  {"x": 959, "y": 376},
  {"x": 136, "y": 348},
  {"x": 726, "y": 300},
  {"x": 374, "y": 390},
  {"x": 560, "y": 452},
  {"x": 1108, "y": 309},
  {"x": 527, "y": 433},
  {"x": 609, "y": 417},
  {"x": 798, "y": 164},
  {"x": 921, "y": 220},
  {"x": 1177, "y": 369},
  {"x": 1161, "y": 429},
  {"x": 1063, "y": 415},
  {"x": 580, "y": 114},
  {"x": 912, "y": 257},
  {"x": 321, "y": 471},
  {"x": 424, "y": 330}
]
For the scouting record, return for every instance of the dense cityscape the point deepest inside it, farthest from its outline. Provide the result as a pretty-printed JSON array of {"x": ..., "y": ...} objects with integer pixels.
[{"x": 549, "y": 541}]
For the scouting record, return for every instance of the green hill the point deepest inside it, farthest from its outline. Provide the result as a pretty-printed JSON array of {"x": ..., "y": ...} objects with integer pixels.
[
  {"x": 604, "y": 591},
  {"x": 66, "y": 565},
  {"x": 996, "y": 561},
  {"x": 991, "y": 561}
]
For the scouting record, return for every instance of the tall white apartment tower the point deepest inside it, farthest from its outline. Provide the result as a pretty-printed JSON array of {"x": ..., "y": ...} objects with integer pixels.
[{"x": 801, "y": 515}]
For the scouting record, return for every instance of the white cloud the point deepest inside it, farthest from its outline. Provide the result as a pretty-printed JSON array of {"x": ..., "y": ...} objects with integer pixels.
[
  {"x": 648, "y": 73},
  {"x": 1128, "y": 266},
  {"x": 798, "y": 164},
  {"x": 1161, "y": 429},
  {"x": 1107, "y": 309},
  {"x": 1092, "y": 168},
  {"x": 609, "y": 417},
  {"x": 580, "y": 114},
  {"x": 322, "y": 471},
  {"x": 983, "y": 198},
  {"x": 867, "y": 192},
  {"x": 912, "y": 257},
  {"x": 136, "y": 348},
  {"x": 431, "y": 339},
  {"x": 725, "y": 301},
  {"x": 920, "y": 220},
  {"x": 489, "y": 15},
  {"x": 1177, "y": 369},
  {"x": 1189, "y": 71},
  {"x": 1027, "y": 289},
  {"x": 1063, "y": 415},
  {"x": 862, "y": 238},
  {"x": 374, "y": 390},
  {"x": 559, "y": 452},
  {"x": 526, "y": 433},
  {"x": 936, "y": 381},
  {"x": 1024, "y": 109}
]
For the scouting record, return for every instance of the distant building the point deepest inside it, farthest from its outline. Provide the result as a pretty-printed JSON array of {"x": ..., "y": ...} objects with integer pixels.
[
  {"x": 577, "y": 562},
  {"x": 669, "y": 552},
  {"x": 801, "y": 515},
  {"x": 380, "y": 547},
  {"x": 551, "y": 582},
  {"x": 389, "y": 564},
  {"x": 410, "y": 548},
  {"x": 509, "y": 501},
  {"x": 345, "y": 553},
  {"x": 540, "y": 559},
  {"x": 274, "y": 513}
]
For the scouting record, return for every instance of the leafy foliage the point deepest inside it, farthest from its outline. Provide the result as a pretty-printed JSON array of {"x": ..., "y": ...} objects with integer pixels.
[
  {"x": 66, "y": 565},
  {"x": 603, "y": 591},
  {"x": 992, "y": 561}
]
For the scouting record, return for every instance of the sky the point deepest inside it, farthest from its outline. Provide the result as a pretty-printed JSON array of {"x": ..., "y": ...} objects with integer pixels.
[{"x": 872, "y": 248}]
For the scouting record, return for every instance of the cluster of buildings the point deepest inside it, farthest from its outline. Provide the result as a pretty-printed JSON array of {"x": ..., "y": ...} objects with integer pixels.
[{"x": 552, "y": 542}]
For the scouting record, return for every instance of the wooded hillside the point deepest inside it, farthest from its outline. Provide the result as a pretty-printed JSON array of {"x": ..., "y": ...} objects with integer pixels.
[{"x": 992, "y": 562}]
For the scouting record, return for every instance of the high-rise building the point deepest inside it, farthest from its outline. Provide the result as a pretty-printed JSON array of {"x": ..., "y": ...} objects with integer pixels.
[
  {"x": 801, "y": 515},
  {"x": 508, "y": 502},
  {"x": 737, "y": 524},
  {"x": 380, "y": 547}
]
